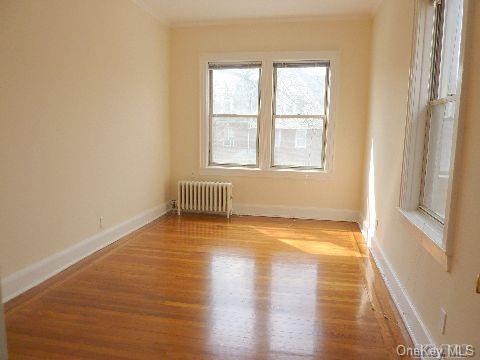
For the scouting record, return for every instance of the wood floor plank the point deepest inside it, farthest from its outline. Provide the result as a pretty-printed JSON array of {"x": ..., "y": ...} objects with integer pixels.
[{"x": 204, "y": 287}]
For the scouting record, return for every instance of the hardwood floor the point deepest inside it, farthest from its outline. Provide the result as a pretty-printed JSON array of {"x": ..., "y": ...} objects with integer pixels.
[{"x": 203, "y": 287}]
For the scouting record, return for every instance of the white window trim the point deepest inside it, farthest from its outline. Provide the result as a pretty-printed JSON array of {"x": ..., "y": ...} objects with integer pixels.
[
  {"x": 265, "y": 123},
  {"x": 435, "y": 237}
]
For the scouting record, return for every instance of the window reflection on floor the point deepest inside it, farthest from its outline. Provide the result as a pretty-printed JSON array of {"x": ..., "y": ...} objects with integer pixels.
[
  {"x": 293, "y": 299},
  {"x": 232, "y": 315}
]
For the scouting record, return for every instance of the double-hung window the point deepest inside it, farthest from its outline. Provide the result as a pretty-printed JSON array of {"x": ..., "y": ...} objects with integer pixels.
[
  {"x": 267, "y": 113},
  {"x": 234, "y": 105},
  {"x": 442, "y": 104},
  {"x": 300, "y": 111},
  {"x": 433, "y": 120}
]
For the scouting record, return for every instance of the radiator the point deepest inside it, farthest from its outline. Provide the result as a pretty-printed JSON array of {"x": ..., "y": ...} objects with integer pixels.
[{"x": 204, "y": 196}]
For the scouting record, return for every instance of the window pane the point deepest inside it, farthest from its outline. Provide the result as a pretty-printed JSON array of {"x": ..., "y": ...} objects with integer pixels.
[
  {"x": 234, "y": 140},
  {"x": 450, "y": 58},
  {"x": 235, "y": 91},
  {"x": 301, "y": 142},
  {"x": 278, "y": 137},
  {"x": 300, "y": 90},
  {"x": 437, "y": 170}
]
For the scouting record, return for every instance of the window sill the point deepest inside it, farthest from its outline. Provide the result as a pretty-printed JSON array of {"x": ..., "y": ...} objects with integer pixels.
[
  {"x": 429, "y": 233},
  {"x": 272, "y": 172}
]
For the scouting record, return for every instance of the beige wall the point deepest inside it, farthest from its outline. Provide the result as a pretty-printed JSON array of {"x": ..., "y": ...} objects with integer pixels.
[
  {"x": 83, "y": 122},
  {"x": 427, "y": 284},
  {"x": 351, "y": 38}
]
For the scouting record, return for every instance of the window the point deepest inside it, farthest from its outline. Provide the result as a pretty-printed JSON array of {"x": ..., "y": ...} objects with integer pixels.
[
  {"x": 300, "y": 93},
  {"x": 233, "y": 113},
  {"x": 229, "y": 140},
  {"x": 445, "y": 55},
  {"x": 432, "y": 121},
  {"x": 300, "y": 139},
  {"x": 267, "y": 114},
  {"x": 278, "y": 137}
]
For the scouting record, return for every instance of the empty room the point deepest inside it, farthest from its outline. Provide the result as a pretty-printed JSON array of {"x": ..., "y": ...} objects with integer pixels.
[{"x": 256, "y": 179}]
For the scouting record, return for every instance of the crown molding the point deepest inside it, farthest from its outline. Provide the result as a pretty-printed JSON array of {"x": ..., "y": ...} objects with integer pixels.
[
  {"x": 263, "y": 20},
  {"x": 145, "y": 6}
]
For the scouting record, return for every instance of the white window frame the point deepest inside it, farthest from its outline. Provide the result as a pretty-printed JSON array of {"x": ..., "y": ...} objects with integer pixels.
[
  {"x": 434, "y": 236},
  {"x": 265, "y": 168},
  {"x": 212, "y": 115}
]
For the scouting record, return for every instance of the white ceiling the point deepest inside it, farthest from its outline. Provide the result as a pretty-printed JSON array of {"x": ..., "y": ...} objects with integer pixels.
[{"x": 177, "y": 12}]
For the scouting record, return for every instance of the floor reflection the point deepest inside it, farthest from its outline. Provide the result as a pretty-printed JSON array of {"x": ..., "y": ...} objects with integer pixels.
[
  {"x": 293, "y": 299},
  {"x": 232, "y": 315},
  {"x": 200, "y": 287}
]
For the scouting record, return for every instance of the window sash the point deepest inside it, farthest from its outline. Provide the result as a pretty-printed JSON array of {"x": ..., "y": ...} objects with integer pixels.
[
  {"x": 435, "y": 99},
  {"x": 211, "y": 115},
  {"x": 301, "y": 64},
  {"x": 234, "y": 65},
  {"x": 437, "y": 45},
  {"x": 300, "y": 116},
  {"x": 422, "y": 206},
  {"x": 434, "y": 88}
]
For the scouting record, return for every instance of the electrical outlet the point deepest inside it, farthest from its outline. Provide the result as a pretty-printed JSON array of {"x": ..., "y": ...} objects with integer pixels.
[
  {"x": 174, "y": 204},
  {"x": 100, "y": 222},
  {"x": 443, "y": 320}
]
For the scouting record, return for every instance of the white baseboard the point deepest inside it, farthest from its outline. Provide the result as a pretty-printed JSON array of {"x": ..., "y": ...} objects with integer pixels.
[
  {"x": 19, "y": 282},
  {"x": 296, "y": 212},
  {"x": 413, "y": 322}
]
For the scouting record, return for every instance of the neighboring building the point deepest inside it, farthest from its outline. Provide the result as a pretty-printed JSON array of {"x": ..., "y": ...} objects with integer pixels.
[{"x": 297, "y": 143}]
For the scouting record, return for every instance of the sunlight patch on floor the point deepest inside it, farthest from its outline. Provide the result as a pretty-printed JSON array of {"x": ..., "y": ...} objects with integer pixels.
[
  {"x": 319, "y": 247},
  {"x": 303, "y": 235}
]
